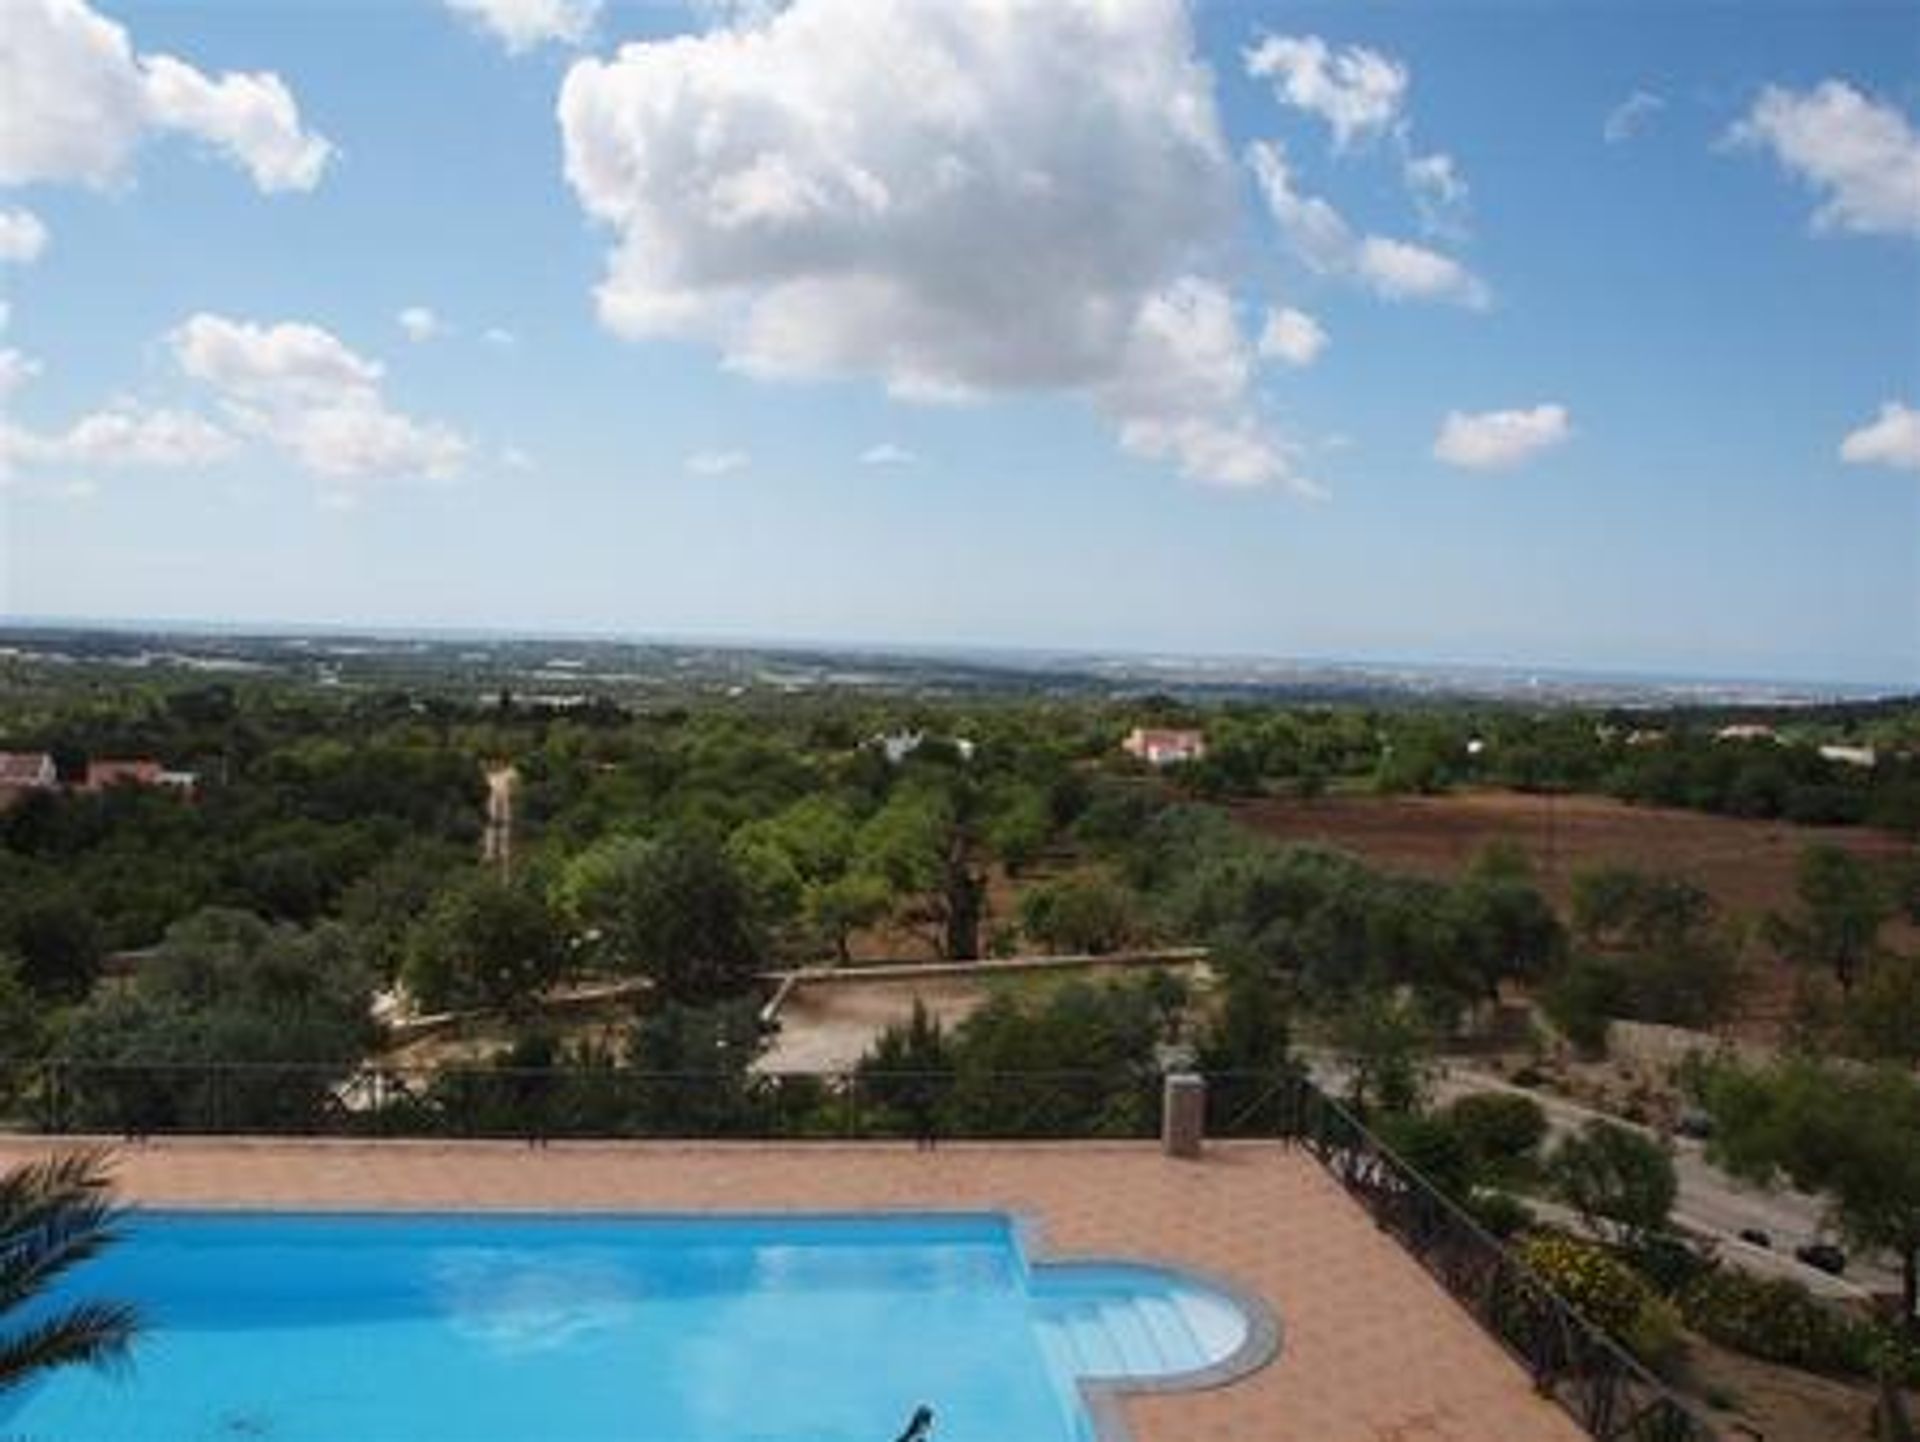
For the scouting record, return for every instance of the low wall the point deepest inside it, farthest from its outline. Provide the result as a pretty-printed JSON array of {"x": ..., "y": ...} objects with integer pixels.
[{"x": 1654, "y": 1047}]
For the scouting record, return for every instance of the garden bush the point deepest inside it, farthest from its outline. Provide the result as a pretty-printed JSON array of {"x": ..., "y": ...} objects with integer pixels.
[
  {"x": 1781, "y": 1321},
  {"x": 1608, "y": 1293}
]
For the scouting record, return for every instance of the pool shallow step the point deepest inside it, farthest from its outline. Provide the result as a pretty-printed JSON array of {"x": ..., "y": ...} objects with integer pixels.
[{"x": 1103, "y": 1335}]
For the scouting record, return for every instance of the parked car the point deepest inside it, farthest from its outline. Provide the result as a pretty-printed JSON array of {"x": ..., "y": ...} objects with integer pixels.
[
  {"x": 1823, "y": 1255},
  {"x": 1757, "y": 1237},
  {"x": 1695, "y": 1124}
]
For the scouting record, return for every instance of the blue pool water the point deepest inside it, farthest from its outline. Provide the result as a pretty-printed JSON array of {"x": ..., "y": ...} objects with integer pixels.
[{"x": 303, "y": 1328}]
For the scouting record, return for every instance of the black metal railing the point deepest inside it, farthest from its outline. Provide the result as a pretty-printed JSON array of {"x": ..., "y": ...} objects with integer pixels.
[
  {"x": 1603, "y": 1387},
  {"x": 1610, "y": 1394},
  {"x": 553, "y": 1103}
]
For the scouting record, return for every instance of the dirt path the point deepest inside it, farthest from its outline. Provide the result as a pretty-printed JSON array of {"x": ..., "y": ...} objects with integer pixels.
[{"x": 496, "y": 841}]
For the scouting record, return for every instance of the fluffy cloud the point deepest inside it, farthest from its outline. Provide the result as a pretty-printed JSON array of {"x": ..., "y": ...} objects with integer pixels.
[
  {"x": 717, "y": 463},
  {"x": 960, "y": 200},
  {"x": 1494, "y": 440},
  {"x": 300, "y": 388},
  {"x": 16, "y": 369},
  {"x": 520, "y": 25},
  {"x": 22, "y": 237},
  {"x": 1439, "y": 191},
  {"x": 125, "y": 434},
  {"x": 1891, "y": 440},
  {"x": 80, "y": 100},
  {"x": 886, "y": 453},
  {"x": 1397, "y": 270},
  {"x": 128, "y": 434},
  {"x": 1321, "y": 237},
  {"x": 1357, "y": 91},
  {"x": 1862, "y": 156},
  {"x": 420, "y": 323},
  {"x": 1292, "y": 336},
  {"x": 1180, "y": 391},
  {"x": 1631, "y": 116}
]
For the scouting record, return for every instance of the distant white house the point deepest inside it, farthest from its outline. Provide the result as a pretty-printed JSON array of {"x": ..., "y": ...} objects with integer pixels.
[
  {"x": 1165, "y": 746},
  {"x": 1746, "y": 732},
  {"x": 24, "y": 772},
  {"x": 897, "y": 746},
  {"x": 1849, "y": 755}
]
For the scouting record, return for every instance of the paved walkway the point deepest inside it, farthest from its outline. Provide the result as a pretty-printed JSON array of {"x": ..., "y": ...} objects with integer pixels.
[{"x": 1372, "y": 1350}]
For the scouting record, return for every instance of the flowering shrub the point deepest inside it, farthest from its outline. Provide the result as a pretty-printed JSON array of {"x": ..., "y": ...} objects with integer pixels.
[{"x": 1608, "y": 1293}]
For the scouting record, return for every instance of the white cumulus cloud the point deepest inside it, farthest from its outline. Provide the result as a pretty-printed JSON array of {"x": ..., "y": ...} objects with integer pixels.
[
  {"x": 1495, "y": 440},
  {"x": 958, "y": 200},
  {"x": 124, "y": 434},
  {"x": 717, "y": 463},
  {"x": 419, "y": 322},
  {"x": 1631, "y": 116},
  {"x": 128, "y": 434},
  {"x": 520, "y": 25},
  {"x": 1860, "y": 154},
  {"x": 1292, "y": 336},
  {"x": 886, "y": 453},
  {"x": 1326, "y": 244},
  {"x": 1357, "y": 91},
  {"x": 80, "y": 100},
  {"x": 23, "y": 237},
  {"x": 1439, "y": 191},
  {"x": 16, "y": 369},
  {"x": 298, "y": 387},
  {"x": 1892, "y": 439},
  {"x": 1400, "y": 270}
]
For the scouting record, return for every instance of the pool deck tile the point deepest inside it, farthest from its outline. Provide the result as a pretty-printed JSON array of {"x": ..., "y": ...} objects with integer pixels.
[{"x": 1372, "y": 1350}]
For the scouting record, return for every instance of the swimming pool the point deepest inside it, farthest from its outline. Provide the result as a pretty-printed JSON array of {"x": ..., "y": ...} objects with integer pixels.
[{"x": 406, "y": 1328}]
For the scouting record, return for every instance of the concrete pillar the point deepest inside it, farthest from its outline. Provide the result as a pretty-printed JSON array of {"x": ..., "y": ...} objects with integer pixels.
[{"x": 1183, "y": 1114}]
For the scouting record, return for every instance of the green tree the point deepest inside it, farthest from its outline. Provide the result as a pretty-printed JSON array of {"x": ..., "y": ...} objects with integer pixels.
[
  {"x": 1882, "y": 1016},
  {"x": 1852, "y": 1136},
  {"x": 674, "y": 909},
  {"x": 921, "y": 842},
  {"x": 1384, "y": 1043},
  {"x": 485, "y": 942},
  {"x": 56, "y": 1215},
  {"x": 1842, "y": 909},
  {"x": 1501, "y": 1132},
  {"x": 1251, "y": 1031},
  {"x": 1621, "y": 1182},
  {"x": 1086, "y": 913},
  {"x": 196, "y": 1038},
  {"x": 694, "y": 1065},
  {"x": 909, "y": 1072},
  {"x": 57, "y": 941}
]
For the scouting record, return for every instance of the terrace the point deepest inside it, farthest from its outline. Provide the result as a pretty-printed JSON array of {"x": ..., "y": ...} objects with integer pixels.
[{"x": 1364, "y": 1269}]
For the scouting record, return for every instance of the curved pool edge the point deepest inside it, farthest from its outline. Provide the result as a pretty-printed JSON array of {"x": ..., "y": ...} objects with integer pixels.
[{"x": 1103, "y": 1397}]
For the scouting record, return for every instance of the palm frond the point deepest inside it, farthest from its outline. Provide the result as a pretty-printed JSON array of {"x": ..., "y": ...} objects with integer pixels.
[
  {"x": 94, "y": 1334},
  {"x": 54, "y": 1214}
]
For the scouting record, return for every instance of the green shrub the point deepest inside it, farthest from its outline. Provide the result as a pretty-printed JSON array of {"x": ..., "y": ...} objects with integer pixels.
[
  {"x": 1432, "y": 1148},
  {"x": 1502, "y": 1132},
  {"x": 1583, "y": 998},
  {"x": 1781, "y": 1321},
  {"x": 1501, "y": 1213}
]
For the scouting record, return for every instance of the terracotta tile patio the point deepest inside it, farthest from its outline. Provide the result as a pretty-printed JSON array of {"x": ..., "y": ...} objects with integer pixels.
[{"x": 1372, "y": 1350}]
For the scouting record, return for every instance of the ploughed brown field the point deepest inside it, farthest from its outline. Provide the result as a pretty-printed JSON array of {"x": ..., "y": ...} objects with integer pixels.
[{"x": 1748, "y": 866}]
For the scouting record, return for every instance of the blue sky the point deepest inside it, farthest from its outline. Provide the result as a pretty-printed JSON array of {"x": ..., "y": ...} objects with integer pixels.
[{"x": 1392, "y": 331}]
